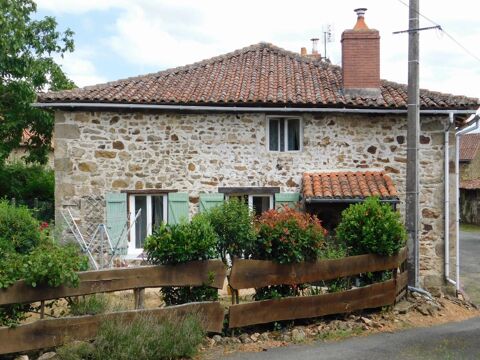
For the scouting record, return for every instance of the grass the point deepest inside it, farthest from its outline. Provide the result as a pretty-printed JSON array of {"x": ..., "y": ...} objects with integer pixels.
[
  {"x": 144, "y": 338},
  {"x": 148, "y": 338},
  {"x": 469, "y": 228},
  {"x": 89, "y": 305}
]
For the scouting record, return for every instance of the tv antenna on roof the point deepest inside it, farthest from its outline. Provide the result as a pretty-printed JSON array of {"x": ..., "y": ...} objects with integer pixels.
[{"x": 328, "y": 37}]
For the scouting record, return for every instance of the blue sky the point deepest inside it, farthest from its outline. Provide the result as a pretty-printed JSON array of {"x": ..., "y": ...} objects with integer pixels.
[{"x": 121, "y": 38}]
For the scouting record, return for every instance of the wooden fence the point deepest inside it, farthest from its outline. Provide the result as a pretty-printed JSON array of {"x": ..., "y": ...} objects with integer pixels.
[
  {"x": 258, "y": 273},
  {"x": 54, "y": 332},
  {"x": 244, "y": 274}
]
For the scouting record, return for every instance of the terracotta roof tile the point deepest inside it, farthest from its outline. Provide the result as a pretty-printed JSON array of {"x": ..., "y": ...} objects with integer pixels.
[
  {"x": 348, "y": 185},
  {"x": 261, "y": 74},
  {"x": 470, "y": 184},
  {"x": 469, "y": 146}
]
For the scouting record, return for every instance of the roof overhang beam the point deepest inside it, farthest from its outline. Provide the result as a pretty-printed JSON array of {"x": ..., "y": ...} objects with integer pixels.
[{"x": 240, "y": 109}]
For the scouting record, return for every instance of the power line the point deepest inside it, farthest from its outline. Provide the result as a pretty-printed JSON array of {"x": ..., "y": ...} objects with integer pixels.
[{"x": 445, "y": 32}]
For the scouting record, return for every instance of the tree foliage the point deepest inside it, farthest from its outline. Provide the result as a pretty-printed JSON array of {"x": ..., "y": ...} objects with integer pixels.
[{"x": 27, "y": 65}]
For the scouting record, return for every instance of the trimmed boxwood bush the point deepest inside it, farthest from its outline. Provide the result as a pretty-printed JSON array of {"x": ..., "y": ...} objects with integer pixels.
[
  {"x": 180, "y": 243},
  {"x": 371, "y": 227}
]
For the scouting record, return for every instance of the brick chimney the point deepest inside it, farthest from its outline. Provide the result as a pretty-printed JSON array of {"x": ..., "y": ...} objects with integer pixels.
[{"x": 361, "y": 59}]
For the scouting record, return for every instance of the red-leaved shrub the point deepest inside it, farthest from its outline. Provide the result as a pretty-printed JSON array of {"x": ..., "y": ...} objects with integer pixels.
[{"x": 288, "y": 236}]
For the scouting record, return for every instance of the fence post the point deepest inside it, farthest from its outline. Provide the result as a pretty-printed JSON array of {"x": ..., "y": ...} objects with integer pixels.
[
  {"x": 42, "y": 309},
  {"x": 13, "y": 201},
  {"x": 139, "y": 298}
]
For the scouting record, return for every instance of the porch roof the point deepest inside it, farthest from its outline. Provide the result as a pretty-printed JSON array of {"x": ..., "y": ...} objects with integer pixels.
[{"x": 354, "y": 185}]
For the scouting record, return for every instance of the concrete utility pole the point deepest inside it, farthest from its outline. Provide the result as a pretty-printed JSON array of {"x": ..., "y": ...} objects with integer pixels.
[{"x": 413, "y": 131}]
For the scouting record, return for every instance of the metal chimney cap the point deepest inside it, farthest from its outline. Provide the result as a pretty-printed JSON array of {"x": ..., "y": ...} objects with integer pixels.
[{"x": 360, "y": 12}]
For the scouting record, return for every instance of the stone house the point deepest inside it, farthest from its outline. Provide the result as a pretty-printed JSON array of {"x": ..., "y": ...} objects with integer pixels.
[
  {"x": 263, "y": 124},
  {"x": 469, "y": 157}
]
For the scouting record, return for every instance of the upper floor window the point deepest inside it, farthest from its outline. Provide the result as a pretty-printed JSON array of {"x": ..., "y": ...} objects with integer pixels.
[{"x": 284, "y": 134}]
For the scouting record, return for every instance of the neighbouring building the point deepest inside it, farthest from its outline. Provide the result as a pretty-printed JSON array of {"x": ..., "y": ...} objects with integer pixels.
[
  {"x": 469, "y": 158},
  {"x": 262, "y": 124}
]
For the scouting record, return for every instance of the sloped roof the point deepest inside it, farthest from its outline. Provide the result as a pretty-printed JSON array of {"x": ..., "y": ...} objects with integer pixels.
[
  {"x": 261, "y": 74},
  {"x": 348, "y": 185},
  {"x": 469, "y": 146},
  {"x": 470, "y": 184}
]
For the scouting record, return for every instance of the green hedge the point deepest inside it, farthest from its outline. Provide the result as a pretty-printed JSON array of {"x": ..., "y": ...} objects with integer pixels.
[{"x": 30, "y": 185}]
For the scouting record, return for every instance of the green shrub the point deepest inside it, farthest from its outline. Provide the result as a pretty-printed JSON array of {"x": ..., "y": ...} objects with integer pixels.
[
  {"x": 21, "y": 181},
  {"x": 148, "y": 338},
  {"x": 25, "y": 183},
  {"x": 89, "y": 305},
  {"x": 371, "y": 227},
  {"x": 288, "y": 236},
  {"x": 180, "y": 243},
  {"x": 28, "y": 253},
  {"x": 54, "y": 265},
  {"x": 233, "y": 224},
  {"x": 19, "y": 230}
]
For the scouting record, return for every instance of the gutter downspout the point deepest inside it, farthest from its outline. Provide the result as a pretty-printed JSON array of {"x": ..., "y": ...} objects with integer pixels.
[
  {"x": 447, "y": 199},
  {"x": 465, "y": 130}
]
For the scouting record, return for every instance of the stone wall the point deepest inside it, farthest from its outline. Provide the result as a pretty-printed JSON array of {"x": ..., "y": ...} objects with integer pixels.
[
  {"x": 470, "y": 170},
  {"x": 99, "y": 152}
]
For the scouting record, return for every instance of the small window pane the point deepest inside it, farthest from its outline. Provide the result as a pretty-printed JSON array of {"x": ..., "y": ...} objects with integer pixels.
[
  {"x": 157, "y": 211},
  {"x": 273, "y": 135},
  {"x": 141, "y": 223},
  {"x": 282, "y": 134},
  {"x": 293, "y": 134},
  {"x": 260, "y": 204}
]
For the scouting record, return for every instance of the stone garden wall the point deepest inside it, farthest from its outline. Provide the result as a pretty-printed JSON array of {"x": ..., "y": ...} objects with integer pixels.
[{"x": 99, "y": 152}]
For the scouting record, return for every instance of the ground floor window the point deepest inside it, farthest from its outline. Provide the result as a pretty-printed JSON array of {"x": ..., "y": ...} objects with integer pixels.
[
  {"x": 259, "y": 203},
  {"x": 153, "y": 211}
]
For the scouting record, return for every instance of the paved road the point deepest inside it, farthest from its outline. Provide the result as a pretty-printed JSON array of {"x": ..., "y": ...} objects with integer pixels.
[
  {"x": 452, "y": 341},
  {"x": 470, "y": 264}
]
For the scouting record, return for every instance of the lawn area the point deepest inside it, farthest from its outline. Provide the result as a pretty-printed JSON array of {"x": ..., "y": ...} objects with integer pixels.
[{"x": 469, "y": 228}]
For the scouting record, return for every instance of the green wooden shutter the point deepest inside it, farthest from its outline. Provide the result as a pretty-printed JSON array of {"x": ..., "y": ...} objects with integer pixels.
[
  {"x": 208, "y": 201},
  {"x": 288, "y": 199},
  {"x": 177, "y": 207},
  {"x": 116, "y": 220}
]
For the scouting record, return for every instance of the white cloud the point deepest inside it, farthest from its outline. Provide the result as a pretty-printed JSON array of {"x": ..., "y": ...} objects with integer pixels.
[
  {"x": 80, "y": 69},
  {"x": 170, "y": 33}
]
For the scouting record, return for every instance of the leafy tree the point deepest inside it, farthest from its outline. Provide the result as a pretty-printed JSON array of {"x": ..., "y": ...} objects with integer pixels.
[{"x": 27, "y": 51}]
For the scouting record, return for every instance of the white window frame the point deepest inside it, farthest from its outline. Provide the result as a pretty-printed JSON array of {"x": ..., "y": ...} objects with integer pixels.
[
  {"x": 250, "y": 199},
  {"x": 133, "y": 251},
  {"x": 274, "y": 117}
]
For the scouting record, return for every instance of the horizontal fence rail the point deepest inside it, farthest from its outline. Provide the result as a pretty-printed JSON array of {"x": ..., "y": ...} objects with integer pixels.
[
  {"x": 244, "y": 274},
  {"x": 195, "y": 273},
  {"x": 302, "y": 307},
  {"x": 247, "y": 274},
  {"x": 55, "y": 332}
]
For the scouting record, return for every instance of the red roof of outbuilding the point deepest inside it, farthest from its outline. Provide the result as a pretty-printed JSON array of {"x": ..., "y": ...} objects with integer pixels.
[
  {"x": 348, "y": 185},
  {"x": 469, "y": 146}
]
